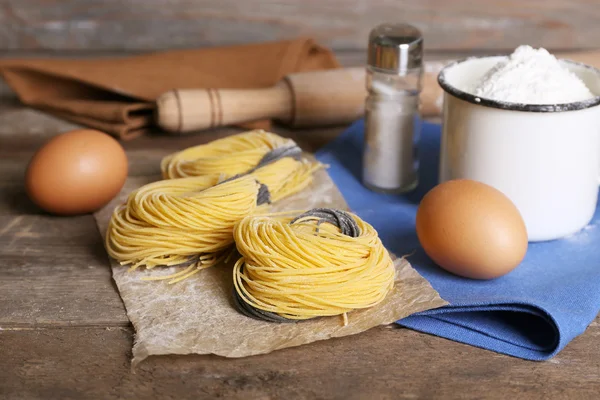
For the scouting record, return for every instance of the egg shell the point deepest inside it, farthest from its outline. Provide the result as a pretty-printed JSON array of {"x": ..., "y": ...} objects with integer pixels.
[
  {"x": 76, "y": 172},
  {"x": 471, "y": 229}
]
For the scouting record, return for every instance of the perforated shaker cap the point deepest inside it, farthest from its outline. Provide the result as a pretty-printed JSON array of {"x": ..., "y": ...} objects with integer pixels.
[{"x": 395, "y": 48}]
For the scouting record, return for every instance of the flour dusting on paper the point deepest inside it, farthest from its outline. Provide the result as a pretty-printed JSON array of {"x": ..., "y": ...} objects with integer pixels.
[{"x": 197, "y": 316}]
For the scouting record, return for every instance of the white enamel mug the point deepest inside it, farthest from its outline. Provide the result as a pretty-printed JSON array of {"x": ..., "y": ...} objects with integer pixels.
[{"x": 545, "y": 158}]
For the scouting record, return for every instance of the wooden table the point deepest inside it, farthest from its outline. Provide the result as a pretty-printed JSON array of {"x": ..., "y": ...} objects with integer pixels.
[{"x": 64, "y": 332}]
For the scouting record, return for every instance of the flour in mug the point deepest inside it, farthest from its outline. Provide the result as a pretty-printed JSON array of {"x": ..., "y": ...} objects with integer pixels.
[{"x": 531, "y": 76}]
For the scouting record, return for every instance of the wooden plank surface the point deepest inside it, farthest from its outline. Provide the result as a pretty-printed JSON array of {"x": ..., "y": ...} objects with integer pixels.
[
  {"x": 341, "y": 24},
  {"x": 64, "y": 333},
  {"x": 383, "y": 363},
  {"x": 54, "y": 272}
]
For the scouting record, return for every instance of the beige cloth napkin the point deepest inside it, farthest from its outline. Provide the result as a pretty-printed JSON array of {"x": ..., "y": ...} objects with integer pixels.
[{"x": 116, "y": 95}]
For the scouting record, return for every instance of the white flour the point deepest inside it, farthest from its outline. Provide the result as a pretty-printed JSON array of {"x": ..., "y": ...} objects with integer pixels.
[{"x": 531, "y": 76}]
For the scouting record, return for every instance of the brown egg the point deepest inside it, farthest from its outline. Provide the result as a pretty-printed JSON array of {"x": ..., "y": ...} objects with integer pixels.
[
  {"x": 471, "y": 229},
  {"x": 76, "y": 172}
]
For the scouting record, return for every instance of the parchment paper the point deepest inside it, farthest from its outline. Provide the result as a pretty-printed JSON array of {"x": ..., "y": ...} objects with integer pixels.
[{"x": 197, "y": 315}]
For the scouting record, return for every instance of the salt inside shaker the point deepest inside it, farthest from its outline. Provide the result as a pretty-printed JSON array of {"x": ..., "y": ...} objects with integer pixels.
[{"x": 392, "y": 122}]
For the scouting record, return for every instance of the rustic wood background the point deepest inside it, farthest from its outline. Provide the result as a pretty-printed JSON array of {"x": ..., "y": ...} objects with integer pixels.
[
  {"x": 449, "y": 25},
  {"x": 64, "y": 333}
]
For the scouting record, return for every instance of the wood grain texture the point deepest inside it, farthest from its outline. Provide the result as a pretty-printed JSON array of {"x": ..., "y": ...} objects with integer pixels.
[
  {"x": 341, "y": 24},
  {"x": 53, "y": 271},
  {"x": 383, "y": 363},
  {"x": 64, "y": 333}
]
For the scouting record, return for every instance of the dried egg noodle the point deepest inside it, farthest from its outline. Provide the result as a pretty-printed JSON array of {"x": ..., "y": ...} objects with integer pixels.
[
  {"x": 180, "y": 221},
  {"x": 324, "y": 262},
  {"x": 189, "y": 221},
  {"x": 245, "y": 153},
  {"x": 226, "y": 157}
]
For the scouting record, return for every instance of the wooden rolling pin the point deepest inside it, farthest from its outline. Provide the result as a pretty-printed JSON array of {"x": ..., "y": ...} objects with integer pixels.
[{"x": 321, "y": 98}]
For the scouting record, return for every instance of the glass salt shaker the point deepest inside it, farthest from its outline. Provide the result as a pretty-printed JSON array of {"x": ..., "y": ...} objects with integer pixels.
[{"x": 392, "y": 121}]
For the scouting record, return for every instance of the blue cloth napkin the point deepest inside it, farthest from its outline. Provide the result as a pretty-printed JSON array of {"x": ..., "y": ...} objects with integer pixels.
[{"x": 532, "y": 313}]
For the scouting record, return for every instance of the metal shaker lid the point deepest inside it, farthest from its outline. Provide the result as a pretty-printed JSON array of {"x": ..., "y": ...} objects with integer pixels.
[{"x": 395, "y": 48}]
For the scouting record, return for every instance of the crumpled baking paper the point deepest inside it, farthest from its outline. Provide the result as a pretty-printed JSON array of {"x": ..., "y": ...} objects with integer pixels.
[{"x": 197, "y": 316}]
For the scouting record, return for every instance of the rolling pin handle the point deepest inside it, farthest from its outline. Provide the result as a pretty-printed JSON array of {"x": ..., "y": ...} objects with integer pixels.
[
  {"x": 168, "y": 112},
  {"x": 188, "y": 110}
]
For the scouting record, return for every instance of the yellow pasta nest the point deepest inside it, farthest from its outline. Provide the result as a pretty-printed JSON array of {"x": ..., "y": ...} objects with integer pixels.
[
  {"x": 188, "y": 220},
  {"x": 179, "y": 222},
  {"x": 227, "y": 157},
  {"x": 322, "y": 263}
]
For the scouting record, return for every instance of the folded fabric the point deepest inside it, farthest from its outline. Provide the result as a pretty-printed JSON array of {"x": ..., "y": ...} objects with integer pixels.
[
  {"x": 116, "y": 95},
  {"x": 532, "y": 313}
]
